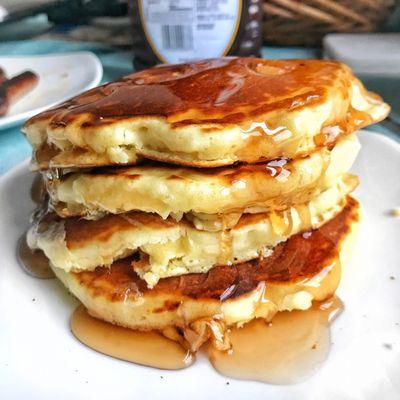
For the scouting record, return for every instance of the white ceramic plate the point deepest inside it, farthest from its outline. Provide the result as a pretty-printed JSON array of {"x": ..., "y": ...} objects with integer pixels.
[
  {"x": 61, "y": 76},
  {"x": 40, "y": 359}
]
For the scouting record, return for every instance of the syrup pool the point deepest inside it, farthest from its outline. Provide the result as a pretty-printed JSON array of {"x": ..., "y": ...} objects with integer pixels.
[{"x": 286, "y": 351}]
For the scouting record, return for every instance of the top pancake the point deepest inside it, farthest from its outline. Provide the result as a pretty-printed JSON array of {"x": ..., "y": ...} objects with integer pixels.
[{"x": 206, "y": 114}]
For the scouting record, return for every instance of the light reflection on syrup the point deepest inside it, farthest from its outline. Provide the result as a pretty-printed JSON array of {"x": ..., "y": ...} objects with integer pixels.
[
  {"x": 281, "y": 222},
  {"x": 286, "y": 351},
  {"x": 245, "y": 89},
  {"x": 144, "y": 348},
  {"x": 225, "y": 251},
  {"x": 294, "y": 344},
  {"x": 33, "y": 262},
  {"x": 38, "y": 190},
  {"x": 259, "y": 128},
  {"x": 305, "y": 215},
  {"x": 233, "y": 86},
  {"x": 277, "y": 169}
]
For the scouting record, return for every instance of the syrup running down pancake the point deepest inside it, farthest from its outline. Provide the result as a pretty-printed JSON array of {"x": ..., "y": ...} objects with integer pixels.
[
  {"x": 203, "y": 202},
  {"x": 177, "y": 248},
  {"x": 168, "y": 190},
  {"x": 304, "y": 268},
  {"x": 206, "y": 114}
]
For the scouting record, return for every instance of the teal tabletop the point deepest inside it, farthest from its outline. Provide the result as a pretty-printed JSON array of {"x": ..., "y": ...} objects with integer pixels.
[{"x": 13, "y": 146}]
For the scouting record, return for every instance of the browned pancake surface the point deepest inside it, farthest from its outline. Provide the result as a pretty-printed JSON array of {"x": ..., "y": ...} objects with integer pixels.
[
  {"x": 301, "y": 256},
  {"x": 227, "y": 90}
]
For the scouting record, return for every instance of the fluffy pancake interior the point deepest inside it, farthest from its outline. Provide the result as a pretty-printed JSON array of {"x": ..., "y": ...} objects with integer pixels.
[
  {"x": 302, "y": 101},
  {"x": 176, "y": 248},
  {"x": 304, "y": 268},
  {"x": 174, "y": 191}
]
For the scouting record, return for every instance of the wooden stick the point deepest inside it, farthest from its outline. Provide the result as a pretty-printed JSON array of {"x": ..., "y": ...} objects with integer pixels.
[
  {"x": 340, "y": 9},
  {"x": 305, "y": 10},
  {"x": 377, "y": 5},
  {"x": 271, "y": 9}
]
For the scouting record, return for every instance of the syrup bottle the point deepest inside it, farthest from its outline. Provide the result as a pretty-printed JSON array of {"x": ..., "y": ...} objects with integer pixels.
[{"x": 176, "y": 31}]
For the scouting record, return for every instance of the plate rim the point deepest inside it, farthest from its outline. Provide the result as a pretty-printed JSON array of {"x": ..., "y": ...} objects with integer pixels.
[{"x": 240, "y": 389}]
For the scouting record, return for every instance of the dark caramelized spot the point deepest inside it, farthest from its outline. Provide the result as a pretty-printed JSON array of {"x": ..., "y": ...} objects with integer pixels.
[
  {"x": 168, "y": 306},
  {"x": 174, "y": 177},
  {"x": 226, "y": 90},
  {"x": 299, "y": 257}
]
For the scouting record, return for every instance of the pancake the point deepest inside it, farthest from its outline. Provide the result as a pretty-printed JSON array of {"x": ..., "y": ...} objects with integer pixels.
[
  {"x": 177, "y": 248},
  {"x": 304, "y": 268},
  {"x": 167, "y": 190},
  {"x": 206, "y": 114}
]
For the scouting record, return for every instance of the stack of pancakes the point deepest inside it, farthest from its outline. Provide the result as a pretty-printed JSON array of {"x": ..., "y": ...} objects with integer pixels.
[{"x": 194, "y": 197}]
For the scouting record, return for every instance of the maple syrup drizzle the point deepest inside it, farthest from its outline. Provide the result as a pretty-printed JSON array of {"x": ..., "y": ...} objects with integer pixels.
[
  {"x": 38, "y": 190},
  {"x": 145, "y": 348},
  {"x": 305, "y": 214},
  {"x": 225, "y": 248},
  {"x": 282, "y": 222},
  {"x": 286, "y": 351},
  {"x": 183, "y": 92},
  {"x": 225, "y": 237},
  {"x": 33, "y": 262}
]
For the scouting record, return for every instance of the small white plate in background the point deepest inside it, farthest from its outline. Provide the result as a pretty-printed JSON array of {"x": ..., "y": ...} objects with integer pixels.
[
  {"x": 365, "y": 53},
  {"x": 61, "y": 76}
]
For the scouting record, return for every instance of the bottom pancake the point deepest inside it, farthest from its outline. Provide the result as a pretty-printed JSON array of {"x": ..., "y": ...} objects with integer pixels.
[{"x": 197, "y": 307}]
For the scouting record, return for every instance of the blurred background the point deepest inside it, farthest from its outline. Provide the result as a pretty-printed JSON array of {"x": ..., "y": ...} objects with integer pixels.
[
  {"x": 285, "y": 22},
  {"x": 363, "y": 33}
]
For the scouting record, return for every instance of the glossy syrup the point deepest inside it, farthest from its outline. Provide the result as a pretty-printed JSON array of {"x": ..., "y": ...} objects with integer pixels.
[
  {"x": 246, "y": 92},
  {"x": 225, "y": 250},
  {"x": 286, "y": 351},
  {"x": 38, "y": 190},
  {"x": 183, "y": 93},
  {"x": 33, "y": 261},
  {"x": 145, "y": 348},
  {"x": 305, "y": 214},
  {"x": 281, "y": 222},
  {"x": 225, "y": 237}
]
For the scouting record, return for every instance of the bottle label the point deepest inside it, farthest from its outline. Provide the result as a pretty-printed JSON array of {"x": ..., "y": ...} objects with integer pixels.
[{"x": 183, "y": 30}]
